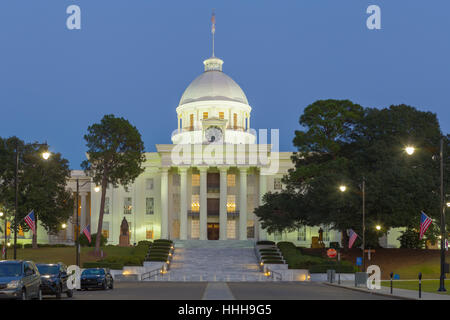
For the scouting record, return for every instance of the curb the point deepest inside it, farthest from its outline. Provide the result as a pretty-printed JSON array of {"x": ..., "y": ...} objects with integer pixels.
[{"x": 369, "y": 292}]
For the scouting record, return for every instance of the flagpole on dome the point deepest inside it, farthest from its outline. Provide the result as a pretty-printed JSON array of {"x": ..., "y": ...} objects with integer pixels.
[{"x": 213, "y": 29}]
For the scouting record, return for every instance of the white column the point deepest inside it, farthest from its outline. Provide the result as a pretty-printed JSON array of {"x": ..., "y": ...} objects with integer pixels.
[
  {"x": 183, "y": 203},
  {"x": 248, "y": 123},
  {"x": 164, "y": 203},
  {"x": 243, "y": 204},
  {"x": 262, "y": 191},
  {"x": 223, "y": 204},
  {"x": 203, "y": 204}
]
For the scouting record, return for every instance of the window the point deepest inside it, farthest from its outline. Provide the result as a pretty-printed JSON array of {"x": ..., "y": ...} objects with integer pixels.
[
  {"x": 205, "y": 115},
  {"x": 149, "y": 184},
  {"x": 235, "y": 120},
  {"x": 195, "y": 205},
  {"x": 221, "y": 115},
  {"x": 231, "y": 180},
  {"x": 191, "y": 121},
  {"x": 301, "y": 234},
  {"x": 105, "y": 229},
  {"x": 231, "y": 203},
  {"x": 277, "y": 184},
  {"x": 149, "y": 232},
  {"x": 195, "y": 180},
  {"x": 250, "y": 229},
  {"x": 127, "y": 205},
  {"x": 149, "y": 205},
  {"x": 106, "y": 205}
]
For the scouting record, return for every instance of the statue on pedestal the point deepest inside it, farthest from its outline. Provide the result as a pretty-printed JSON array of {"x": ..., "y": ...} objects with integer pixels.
[{"x": 124, "y": 238}]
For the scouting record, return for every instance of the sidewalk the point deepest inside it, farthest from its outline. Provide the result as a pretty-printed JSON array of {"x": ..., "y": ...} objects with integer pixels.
[{"x": 397, "y": 293}]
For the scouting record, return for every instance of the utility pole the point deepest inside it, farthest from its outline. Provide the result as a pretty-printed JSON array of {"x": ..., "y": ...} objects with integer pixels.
[{"x": 442, "y": 208}]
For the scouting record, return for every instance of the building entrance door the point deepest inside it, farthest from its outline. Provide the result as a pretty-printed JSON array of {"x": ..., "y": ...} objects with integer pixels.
[{"x": 213, "y": 231}]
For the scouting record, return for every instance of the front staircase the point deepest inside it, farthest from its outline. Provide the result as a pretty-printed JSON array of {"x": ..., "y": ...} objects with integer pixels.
[{"x": 215, "y": 260}]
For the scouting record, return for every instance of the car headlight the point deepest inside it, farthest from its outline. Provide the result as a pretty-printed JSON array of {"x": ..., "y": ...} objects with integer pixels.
[{"x": 13, "y": 284}]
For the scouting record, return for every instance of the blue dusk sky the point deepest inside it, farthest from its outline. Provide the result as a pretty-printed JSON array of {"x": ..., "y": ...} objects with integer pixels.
[{"x": 134, "y": 58}]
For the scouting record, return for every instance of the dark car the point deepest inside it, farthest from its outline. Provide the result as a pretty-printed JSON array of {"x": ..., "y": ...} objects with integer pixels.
[
  {"x": 54, "y": 279},
  {"x": 98, "y": 278},
  {"x": 19, "y": 280}
]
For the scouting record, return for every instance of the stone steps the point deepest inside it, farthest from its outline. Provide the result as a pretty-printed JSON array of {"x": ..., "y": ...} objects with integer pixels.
[
  {"x": 222, "y": 261},
  {"x": 214, "y": 244}
]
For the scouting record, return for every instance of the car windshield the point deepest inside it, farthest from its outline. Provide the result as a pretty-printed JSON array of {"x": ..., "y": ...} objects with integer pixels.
[
  {"x": 10, "y": 269},
  {"x": 48, "y": 269},
  {"x": 93, "y": 272}
]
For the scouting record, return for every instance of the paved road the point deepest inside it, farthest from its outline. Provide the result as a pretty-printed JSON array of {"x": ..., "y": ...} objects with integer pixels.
[{"x": 225, "y": 291}]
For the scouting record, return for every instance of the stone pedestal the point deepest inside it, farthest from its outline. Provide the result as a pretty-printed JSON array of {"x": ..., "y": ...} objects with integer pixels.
[{"x": 124, "y": 240}]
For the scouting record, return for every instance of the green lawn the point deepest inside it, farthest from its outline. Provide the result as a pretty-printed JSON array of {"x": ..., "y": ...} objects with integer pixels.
[
  {"x": 427, "y": 285},
  {"x": 431, "y": 269},
  {"x": 67, "y": 255}
]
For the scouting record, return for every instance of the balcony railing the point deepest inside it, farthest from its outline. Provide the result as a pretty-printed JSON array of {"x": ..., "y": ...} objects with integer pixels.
[{"x": 212, "y": 213}]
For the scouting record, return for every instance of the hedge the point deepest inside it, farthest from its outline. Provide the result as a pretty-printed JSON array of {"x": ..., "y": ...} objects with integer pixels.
[
  {"x": 265, "y": 242},
  {"x": 344, "y": 267},
  {"x": 45, "y": 245},
  {"x": 100, "y": 264},
  {"x": 144, "y": 243},
  {"x": 156, "y": 259},
  {"x": 158, "y": 241},
  {"x": 273, "y": 262}
]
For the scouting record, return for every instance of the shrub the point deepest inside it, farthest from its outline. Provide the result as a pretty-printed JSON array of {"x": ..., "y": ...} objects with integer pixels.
[
  {"x": 344, "y": 267},
  {"x": 163, "y": 241},
  {"x": 156, "y": 259},
  {"x": 410, "y": 240},
  {"x": 100, "y": 264},
  {"x": 273, "y": 262},
  {"x": 85, "y": 243},
  {"x": 265, "y": 242},
  {"x": 144, "y": 243}
]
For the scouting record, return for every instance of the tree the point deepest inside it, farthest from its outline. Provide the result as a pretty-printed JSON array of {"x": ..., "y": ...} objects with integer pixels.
[
  {"x": 41, "y": 186},
  {"x": 115, "y": 156},
  {"x": 280, "y": 212},
  {"x": 341, "y": 143}
]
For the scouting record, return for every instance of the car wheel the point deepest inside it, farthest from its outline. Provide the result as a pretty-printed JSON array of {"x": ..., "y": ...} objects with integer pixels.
[
  {"x": 105, "y": 286},
  {"x": 69, "y": 293},
  {"x": 24, "y": 295},
  {"x": 111, "y": 286},
  {"x": 39, "y": 296},
  {"x": 58, "y": 293}
]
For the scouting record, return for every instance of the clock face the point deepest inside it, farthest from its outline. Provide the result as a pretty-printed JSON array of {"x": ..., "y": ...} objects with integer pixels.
[{"x": 213, "y": 134}]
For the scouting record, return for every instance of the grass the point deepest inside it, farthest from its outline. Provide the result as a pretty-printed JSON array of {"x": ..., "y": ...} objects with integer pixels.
[
  {"x": 427, "y": 285},
  {"x": 67, "y": 255}
]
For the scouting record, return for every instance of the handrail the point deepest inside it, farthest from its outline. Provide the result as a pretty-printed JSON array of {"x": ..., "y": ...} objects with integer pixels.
[
  {"x": 273, "y": 273},
  {"x": 151, "y": 273}
]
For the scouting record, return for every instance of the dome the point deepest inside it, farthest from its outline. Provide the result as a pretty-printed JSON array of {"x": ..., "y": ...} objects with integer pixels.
[{"x": 213, "y": 84}]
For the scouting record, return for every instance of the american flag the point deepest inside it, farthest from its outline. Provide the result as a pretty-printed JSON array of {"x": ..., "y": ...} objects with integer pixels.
[
  {"x": 4, "y": 251},
  {"x": 425, "y": 222},
  {"x": 30, "y": 221},
  {"x": 87, "y": 232},
  {"x": 446, "y": 244},
  {"x": 352, "y": 235},
  {"x": 213, "y": 21}
]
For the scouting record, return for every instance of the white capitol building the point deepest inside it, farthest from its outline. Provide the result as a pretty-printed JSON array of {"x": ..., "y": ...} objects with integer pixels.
[{"x": 205, "y": 185}]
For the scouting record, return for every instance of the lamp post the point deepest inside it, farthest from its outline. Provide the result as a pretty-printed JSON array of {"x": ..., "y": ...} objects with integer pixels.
[
  {"x": 3, "y": 215},
  {"x": 410, "y": 150},
  {"x": 77, "y": 228},
  {"x": 45, "y": 155},
  {"x": 343, "y": 188}
]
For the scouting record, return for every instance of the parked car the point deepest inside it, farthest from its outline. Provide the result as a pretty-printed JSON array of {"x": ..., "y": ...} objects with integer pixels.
[
  {"x": 99, "y": 278},
  {"x": 54, "y": 279},
  {"x": 19, "y": 280}
]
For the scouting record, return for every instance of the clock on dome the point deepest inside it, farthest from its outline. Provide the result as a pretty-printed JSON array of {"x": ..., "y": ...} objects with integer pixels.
[{"x": 213, "y": 134}]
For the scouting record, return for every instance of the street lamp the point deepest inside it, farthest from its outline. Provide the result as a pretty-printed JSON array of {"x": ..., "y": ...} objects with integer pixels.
[
  {"x": 77, "y": 238},
  {"x": 3, "y": 215},
  {"x": 45, "y": 156},
  {"x": 343, "y": 188},
  {"x": 410, "y": 150},
  {"x": 64, "y": 226},
  {"x": 378, "y": 227}
]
